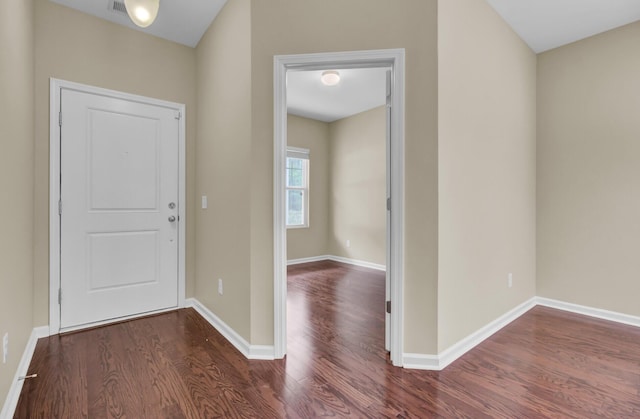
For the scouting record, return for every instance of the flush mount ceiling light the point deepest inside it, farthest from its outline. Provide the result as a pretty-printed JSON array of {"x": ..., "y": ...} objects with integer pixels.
[
  {"x": 330, "y": 77},
  {"x": 142, "y": 12}
]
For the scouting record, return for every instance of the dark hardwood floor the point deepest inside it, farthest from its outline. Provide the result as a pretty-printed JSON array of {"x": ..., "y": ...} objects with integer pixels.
[{"x": 547, "y": 363}]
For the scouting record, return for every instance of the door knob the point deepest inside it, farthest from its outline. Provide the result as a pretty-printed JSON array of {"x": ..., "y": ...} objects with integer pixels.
[{"x": 172, "y": 219}]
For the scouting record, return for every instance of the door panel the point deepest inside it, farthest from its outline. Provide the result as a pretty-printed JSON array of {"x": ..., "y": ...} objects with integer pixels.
[
  {"x": 137, "y": 254},
  {"x": 123, "y": 162},
  {"x": 119, "y": 173}
]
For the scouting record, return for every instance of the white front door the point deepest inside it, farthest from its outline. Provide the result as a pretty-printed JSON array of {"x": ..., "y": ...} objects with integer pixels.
[{"x": 119, "y": 208}]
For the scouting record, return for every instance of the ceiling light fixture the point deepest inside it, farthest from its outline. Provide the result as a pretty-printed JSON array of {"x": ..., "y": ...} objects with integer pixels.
[
  {"x": 142, "y": 12},
  {"x": 330, "y": 77}
]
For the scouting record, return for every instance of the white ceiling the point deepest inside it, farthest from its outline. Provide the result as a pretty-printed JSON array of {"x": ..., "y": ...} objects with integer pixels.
[
  {"x": 548, "y": 24},
  {"x": 359, "y": 90},
  {"x": 543, "y": 24},
  {"x": 181, "y": 21}
]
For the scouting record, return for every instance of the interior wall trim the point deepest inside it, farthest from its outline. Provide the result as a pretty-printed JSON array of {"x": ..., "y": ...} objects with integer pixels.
[
  {"x": 463, "y": 346},
  {"x": 445, "y": 358},
  {"x": 307, "y": 260},
  {"x": 11, "y": 402},
  {"x": 355, "y": 262},
  {"x": 265, "y": 352},
  {"x": 421, "y": 362},
  {"x": 590, "y": 311}
]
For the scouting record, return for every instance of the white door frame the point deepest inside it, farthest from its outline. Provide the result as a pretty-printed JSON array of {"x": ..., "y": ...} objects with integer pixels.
[
  {"x": 394, "y": 58},
  {"x": 56, "y": 86}
]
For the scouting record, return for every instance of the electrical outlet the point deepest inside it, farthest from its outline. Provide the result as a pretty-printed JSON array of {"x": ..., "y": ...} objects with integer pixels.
[
  {"x": 510, "y": 280},
  {"x": 220, "y": 290},
  {"x": 348, "y": 243},
  {"x": 205, "y": 202},
  {"x": 5, "y": 347}
]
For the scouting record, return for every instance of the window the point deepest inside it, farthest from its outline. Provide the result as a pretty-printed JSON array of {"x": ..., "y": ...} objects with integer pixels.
[{"x": 297, "y": 195}]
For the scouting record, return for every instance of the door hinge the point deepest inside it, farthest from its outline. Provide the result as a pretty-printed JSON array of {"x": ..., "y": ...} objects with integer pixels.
[
  {"x": 388, "y": 204},
  {"x": 179, "y": 115},
  {"x": 60, "y": 118},
  {"x": 388, "y": 89},
  {"x": 389, "y": 307},
  {"x": 60, "y": 207},
  {"x": 59, "y": 295}
]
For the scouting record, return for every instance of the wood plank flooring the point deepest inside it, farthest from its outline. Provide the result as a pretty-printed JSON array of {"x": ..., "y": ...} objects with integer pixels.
[{"x": 545, "y": 364}]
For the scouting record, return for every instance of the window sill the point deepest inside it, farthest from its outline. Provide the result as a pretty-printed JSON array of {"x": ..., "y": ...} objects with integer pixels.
[{"x": 297, "y": 227}]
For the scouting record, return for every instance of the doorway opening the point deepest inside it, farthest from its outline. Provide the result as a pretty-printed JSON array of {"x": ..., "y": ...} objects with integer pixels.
[{"x": 393, "y": 61}]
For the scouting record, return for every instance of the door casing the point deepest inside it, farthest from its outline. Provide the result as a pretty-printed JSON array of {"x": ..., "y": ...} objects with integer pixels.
[
  {"x": 395, "y": 59},
  {"x": 56, "y": 86}
]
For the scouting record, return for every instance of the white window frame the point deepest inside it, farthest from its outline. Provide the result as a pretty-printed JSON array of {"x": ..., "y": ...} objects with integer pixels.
[{"x": 300, "y": 153}]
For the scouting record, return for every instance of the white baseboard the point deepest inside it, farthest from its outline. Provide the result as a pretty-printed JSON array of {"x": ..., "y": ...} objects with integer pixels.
[
  {"x": 590, "y": 311},
  {"x": 307, "y": 260},
  {"x": 465, "y": 345},
  {"x": 11, "y": 402},
  {"x": 240, "y": 343},
  {"x": 356, "y": 262},
  {"x": 421, "y": 362},
  {"x": 341, "y": 259},
  {"x": 443, "y": 359},
  {"x": 446, "y": 357}
]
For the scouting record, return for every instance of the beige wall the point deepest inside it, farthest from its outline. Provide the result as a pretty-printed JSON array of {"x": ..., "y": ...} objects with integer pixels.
[
  {"x": 487, "y": 214},
  {"x": 16, "y": 182},
  {"x": 293, "y": 27},
  {"x": 167, "y": 71},
  {"x": 314, "y": 136},
  {"x": 358, "y": 186},
  {"x": 589, "y": 171},
  {"x": 77, "y": 47},
  {"x": 224, "y": 165},
  {"x": 347, "y": 187},
  {"x": 487, "y": 135}
]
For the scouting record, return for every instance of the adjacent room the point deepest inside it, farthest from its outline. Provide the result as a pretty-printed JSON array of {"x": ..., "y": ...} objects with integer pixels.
[
  {"x": 462, "y": 245},
  {"x": 336, "y": 214}
]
